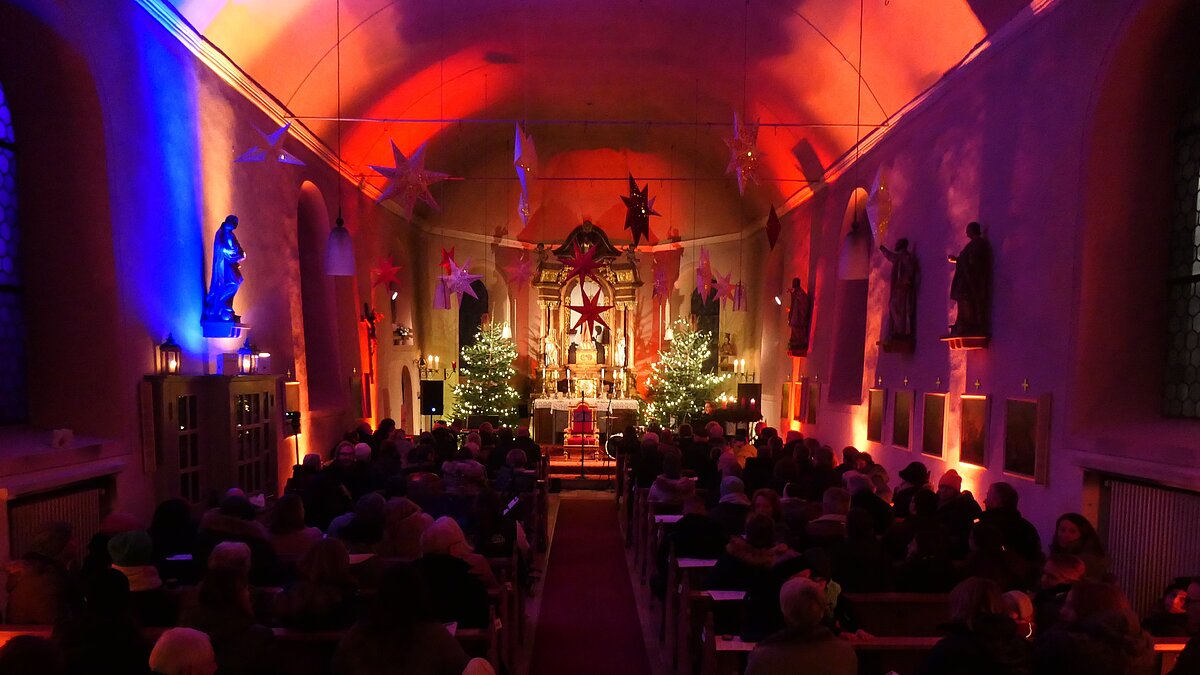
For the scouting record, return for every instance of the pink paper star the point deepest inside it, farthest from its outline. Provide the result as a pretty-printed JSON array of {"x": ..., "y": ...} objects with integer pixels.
[
  {"x": 458, "y": 281},
  {"x": 725, "y": 287},
  {"x": 385, "y": 272},
  {"x": 271, "y": 149},
  {"x": 409, "y": 180},
  {"x": 743, "y": 156}
]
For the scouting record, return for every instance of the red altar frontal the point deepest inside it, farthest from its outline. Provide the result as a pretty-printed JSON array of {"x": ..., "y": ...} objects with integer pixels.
[{"x": 585, "y": 290}]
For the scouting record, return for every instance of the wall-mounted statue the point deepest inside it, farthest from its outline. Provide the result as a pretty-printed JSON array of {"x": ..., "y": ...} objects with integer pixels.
[
  {"x": 619, "y": 354},
  {"x": 550, "y": 357},
  {"x": 900, "y": 328},
  {"x": 799, "y": 318},
  {"x": 226, "y": 277},
  {"x": 971, "y": 287}
]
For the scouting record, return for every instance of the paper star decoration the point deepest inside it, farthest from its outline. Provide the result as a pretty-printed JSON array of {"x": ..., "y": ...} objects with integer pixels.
[
  {"x": 447, "y": 259},
  {"x": 409, "y": 180},
  {"x": 525, "y": 157},
  {"x": 589, "y": 311},
  {"x": 879, "y": 206},
  {"x": 524, "y": 211},
  {"x": 271, "y": 149},
  {"x": 743, "y": 156},
  {"x": 457, "y": 282},
  {"x": 739, "y": 297},
  {"x": 583, "y": 264},
  {"x": 385, "y": 272},
  {"x": 725, "y": 287},
  {"x": 520, "y": 272},
  {"x": 704, "y": 274},
  {"x": 774, "y": 227},
  {"x": 638, "y": 209}
]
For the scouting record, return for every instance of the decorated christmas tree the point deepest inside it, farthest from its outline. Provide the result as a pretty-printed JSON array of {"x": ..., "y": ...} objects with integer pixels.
[
  {"x": 680, "y": 385},
  {"x": 483, "y": 376}
]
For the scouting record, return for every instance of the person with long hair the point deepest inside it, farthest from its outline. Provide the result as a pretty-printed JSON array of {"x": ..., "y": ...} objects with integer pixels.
[
  {"x": 1098, "y": 634},
  {"x": 325, "y": 595},
  {"x": 1074, "y": 535},
  {"x": 981, "y": 639},
  {"x": 289, "y": 536}
]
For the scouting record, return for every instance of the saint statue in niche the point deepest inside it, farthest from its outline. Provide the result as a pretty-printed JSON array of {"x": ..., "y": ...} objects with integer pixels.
[
  {"x": 226, "y": 274},
  {"x": 971, "y": 287},
  {"x": 550, "y": 357},
  {"x": 799, "y": 315},
  {"x": 619, "y": 354},
  {"x": 902, "y": 304}
]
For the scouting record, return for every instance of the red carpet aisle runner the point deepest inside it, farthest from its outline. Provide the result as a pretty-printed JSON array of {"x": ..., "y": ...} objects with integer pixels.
[{"x": 588, "y": 621}]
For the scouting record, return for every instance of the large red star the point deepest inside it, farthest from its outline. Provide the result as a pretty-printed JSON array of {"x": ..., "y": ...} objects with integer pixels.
[
  {"x": 447, "y": 259},
  {"x": 583, "y": 264},
  {"x": 639, "y": 206},
  {"x": 725, "y": 287},
  {"x": 589, "y": 311},
  {"x": 385, "y": 272}
]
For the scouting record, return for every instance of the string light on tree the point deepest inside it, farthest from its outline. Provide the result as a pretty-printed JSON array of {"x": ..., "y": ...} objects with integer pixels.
[
  {"x": 483, "y": 376},
  {"x": 679, "y": 383}
]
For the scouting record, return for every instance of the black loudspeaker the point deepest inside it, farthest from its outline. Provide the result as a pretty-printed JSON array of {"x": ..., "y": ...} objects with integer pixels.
[{"x": 431, "y": 397}]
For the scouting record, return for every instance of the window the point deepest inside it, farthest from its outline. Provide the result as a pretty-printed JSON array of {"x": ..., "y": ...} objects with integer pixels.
[
  {"x": 1182, "y": 394},
  {"x": 14, "y": 406}
]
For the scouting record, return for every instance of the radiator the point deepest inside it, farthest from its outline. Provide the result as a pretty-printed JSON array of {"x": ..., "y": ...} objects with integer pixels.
[
  {"x": 1150, "y": 533},
  {"x": 79, "y": 506}
]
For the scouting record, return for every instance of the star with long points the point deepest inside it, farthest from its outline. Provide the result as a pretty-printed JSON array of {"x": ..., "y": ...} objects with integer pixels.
[
  {"x": 582, "y": 264},
  {"x": 409, "y": 180},
  {"x": 385, "y": 272},
  {"x": 520, "y": 272},
  {"x": 725, "y": 287},
  {"x": 271, "y": 148},
  {"x": 639, "y": 206},
  {"x": 458, "y": 281},
  {"x": 590, "y": 310},
  {"x": 743, "y": 155}
]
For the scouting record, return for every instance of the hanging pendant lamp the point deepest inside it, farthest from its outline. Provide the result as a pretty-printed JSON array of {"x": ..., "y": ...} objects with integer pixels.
[{"x": 339, "y": 249}]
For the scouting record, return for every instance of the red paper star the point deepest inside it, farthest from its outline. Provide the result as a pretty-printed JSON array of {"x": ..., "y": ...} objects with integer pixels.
[
  {"x": 447, "y": 259},
  {"x": 638, "y": 209},
  {"x": 583, "y": 264},
  {"x": 385, "y": 272},
  {"x": 589, "y": 311},
  {"x": 725, "y": 287},
  {"x": 743, "y": 156},
  {"x": 704, "y": 274},
  {"x": 774, "y": 227}
]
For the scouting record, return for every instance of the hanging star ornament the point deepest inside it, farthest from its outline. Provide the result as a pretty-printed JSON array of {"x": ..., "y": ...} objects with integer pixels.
[
  {"x": 725, "y": 288},
  {"x": 582, "y": 264},
  {"x": 385, "y": 272},
  {"x": 774, "y": 227},
  {"x": 458, "y": 282},
  {"x": 704, "y": 275},
  {"x": 660, "y": 282},
  {"x": 879, "y": 206},
  {"x": 447, "y": 260},
  {"x": 520, "y": 272},
  {"x": 524, "y": 154},
  {"x": 409, "y": 180},
  {"x": 743, "y": 156},
  {"x": 638, "y": 209},
  {"x": 524, "y": 211},
  {"x": 589, "y": 311},
  {"x": 271, "y": 149},
  {"x": 739, "y": 297}
]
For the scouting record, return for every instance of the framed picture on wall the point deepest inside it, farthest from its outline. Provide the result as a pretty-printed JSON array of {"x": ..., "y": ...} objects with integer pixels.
[
  {"x": 902, "y": 418},
  {"x": 812, "y": 396},
  {"x": 973, "y": 430},
  {"x": 933, "y": 424},
  {"x": 797, "y": 411},
  {"x": 1027, "y": 437},
  {"x": 876, "y": 399}
]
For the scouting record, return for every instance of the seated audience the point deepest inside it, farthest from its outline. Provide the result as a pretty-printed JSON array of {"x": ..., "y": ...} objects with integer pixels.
[
  {"x": 1018, "y": 534},
  {"x": 980, "y": 639},
  {"x": 1019, "y": 607},
  {"x": 362, "y": 529},
  {"x": 927, "y": 567},
  {"x": 1059, "y": 574},
  {"x": 859, "y": 562},
  {"x": 1074, "y": 535},
  {"x": 805, "y": 641},
  {"x": 32, "y": 654},
  {"x": 104, "y": 631},
  {"x": 490, "y": 532},
  {"x": 1169, "y": 618},
  {"x": 695, "y": 535},
  {"x": 749, "y": 557},
  {"x": 732, "y": 507},
  {"x": 464, "y": 475},
  {"x": 173, "y": 531},
  {"x": 235, "y": 520},
  {"x": 914, "y": 477},
  {"x": 1098, "y": 634},
  {"x": 1189, "y": 659},
  {"x": 458, "y": 577},
  {"x": 921, "y": 515},
  {"x": 830, "y": 527},
  {"x": 402, "y": 529},
  {"x": 401, "y": 632},
  {"x": 862, "y": 496},
  {"x": 183, "y": 651},
  {"x": 132, "y": 554},
  {"x": 224, "y": 611},
  {"x": 290, "y": 538},
  {"x": 40, "y": 584},
  {"x": 324, "y": 597},
  {"x": 670, "y": 488},
  {"x": 957, "y": 512},
  {"x": 989, "y": 559},
  {"x": 513, "y": 478}
]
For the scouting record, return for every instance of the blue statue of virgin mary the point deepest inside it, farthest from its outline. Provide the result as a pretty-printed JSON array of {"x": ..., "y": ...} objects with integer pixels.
[{"x": 226, "y": 276}]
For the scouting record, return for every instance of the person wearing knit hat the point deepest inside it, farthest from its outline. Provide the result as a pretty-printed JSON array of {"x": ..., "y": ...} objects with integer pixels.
[
  {"x": 915, "y": 477},
  {"x": 732, "y": 508},
  {"x": 444, "y": 538},
  {"x": 133, "y": 555},
  {"x": 957, "y": 511},
  {"x": 39, "y": 584},
  {"x": 950, "y": 480}
]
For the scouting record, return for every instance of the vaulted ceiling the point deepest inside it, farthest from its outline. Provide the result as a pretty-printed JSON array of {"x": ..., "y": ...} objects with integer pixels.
[{"x": 604, "y": 86}]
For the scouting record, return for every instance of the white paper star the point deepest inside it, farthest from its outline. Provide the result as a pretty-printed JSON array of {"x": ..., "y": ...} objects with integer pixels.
[
  {"x": 271, "y": 149},
  {"x": 743, "y": 156},
  {"x": 408, "y": 180}
]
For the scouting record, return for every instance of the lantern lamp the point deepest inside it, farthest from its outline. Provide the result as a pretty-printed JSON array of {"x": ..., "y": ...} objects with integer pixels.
[
  {"x": 170, "y": 356},
  {"x": 245, "y": 359}
]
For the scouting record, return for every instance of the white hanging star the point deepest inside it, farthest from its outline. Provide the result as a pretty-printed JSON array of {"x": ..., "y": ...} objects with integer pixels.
[
  {"x": 408, "y": 180},
  {"x": 271, "y": 149},
  {"x": 743, "y": 156}
]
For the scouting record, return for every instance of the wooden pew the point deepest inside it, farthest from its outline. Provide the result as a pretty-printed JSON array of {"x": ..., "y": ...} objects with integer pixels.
[
  {"x": 899, "y": 614},
  {"x": 684, "y": 575}
]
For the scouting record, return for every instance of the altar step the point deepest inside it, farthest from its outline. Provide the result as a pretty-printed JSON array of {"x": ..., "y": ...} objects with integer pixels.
[{"x": 567, "y": 474}]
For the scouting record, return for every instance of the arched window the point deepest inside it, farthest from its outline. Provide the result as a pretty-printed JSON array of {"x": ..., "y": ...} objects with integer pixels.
[
  {"x": 1182, "y": 393},
  {"x": 14, "y": 396}
]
